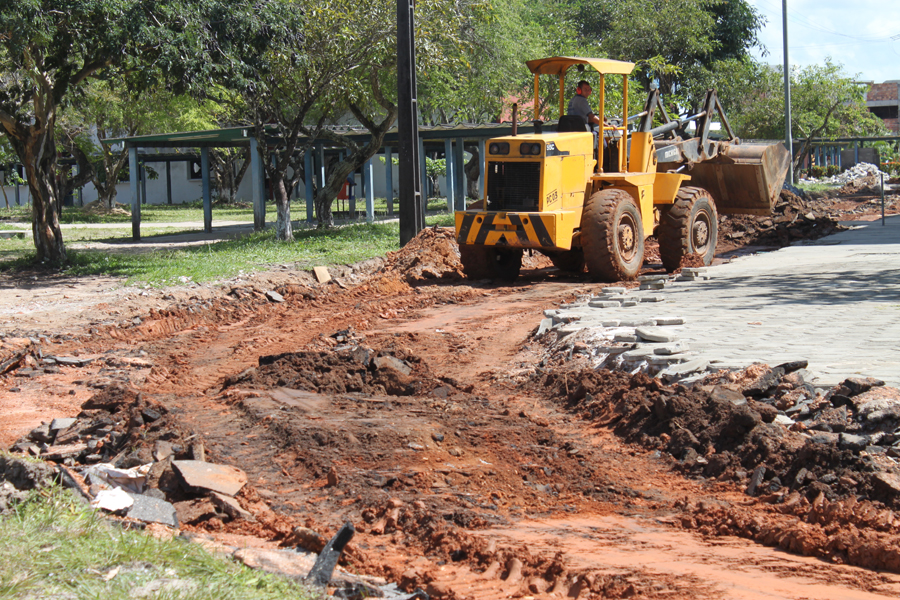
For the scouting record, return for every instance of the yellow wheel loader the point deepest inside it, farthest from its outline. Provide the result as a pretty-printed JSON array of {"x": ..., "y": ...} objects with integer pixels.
[{"x": 586, "y": 205}]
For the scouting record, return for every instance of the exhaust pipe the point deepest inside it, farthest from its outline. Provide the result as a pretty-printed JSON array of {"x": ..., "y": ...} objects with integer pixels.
[{"x": 515, "y": 120}]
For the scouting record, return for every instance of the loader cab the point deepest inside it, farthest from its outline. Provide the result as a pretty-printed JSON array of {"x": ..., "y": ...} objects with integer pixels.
[{"x": 613, "y": 139}]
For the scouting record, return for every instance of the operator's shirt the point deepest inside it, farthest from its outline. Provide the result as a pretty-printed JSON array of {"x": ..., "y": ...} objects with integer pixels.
[{"x": 579, "y": 106}]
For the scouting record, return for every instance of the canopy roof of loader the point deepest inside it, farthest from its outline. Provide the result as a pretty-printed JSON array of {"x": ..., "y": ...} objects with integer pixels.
[{"x": 557, "y": 65}]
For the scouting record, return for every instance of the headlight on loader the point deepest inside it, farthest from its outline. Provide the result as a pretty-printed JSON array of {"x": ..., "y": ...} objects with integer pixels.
[
  {"x": 499, "y": 148},
  {"x": 529, "y": 149}
]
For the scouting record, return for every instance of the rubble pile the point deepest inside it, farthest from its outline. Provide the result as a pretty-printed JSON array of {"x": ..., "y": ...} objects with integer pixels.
[
  {"x": 792, "y": 219},
  {"x": 766, "y": 428},
  {"x": 856, "y": 172},
  {"x": 864, "y": 186}
]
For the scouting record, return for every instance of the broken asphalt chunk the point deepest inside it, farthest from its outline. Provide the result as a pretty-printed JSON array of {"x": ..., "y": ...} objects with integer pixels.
[
  {"x": 152, "y": 510},
  {"x": 321, "y": 572},
  {"x": 207, "y": 476}
]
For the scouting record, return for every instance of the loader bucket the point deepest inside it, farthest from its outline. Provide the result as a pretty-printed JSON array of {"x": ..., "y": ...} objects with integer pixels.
[{"x": 743, "y": 178}]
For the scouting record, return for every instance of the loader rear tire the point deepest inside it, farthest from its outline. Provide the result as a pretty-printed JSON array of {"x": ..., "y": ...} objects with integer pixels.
[
  {"x": 490, "y": 262},
  {"x": 689, "y": 226},
  {"x": 612, "y": 235}
]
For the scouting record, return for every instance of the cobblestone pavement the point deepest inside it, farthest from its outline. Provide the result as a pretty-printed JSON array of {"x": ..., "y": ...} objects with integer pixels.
[{"x": 834, "y": 302}]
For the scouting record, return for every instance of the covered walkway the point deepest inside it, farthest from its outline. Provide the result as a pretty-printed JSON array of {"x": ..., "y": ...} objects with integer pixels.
[{"x": 447, "y": 140}]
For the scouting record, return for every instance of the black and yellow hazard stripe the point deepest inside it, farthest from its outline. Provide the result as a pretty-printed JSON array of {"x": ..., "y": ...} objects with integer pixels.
[{"x": 518, "y": 230}]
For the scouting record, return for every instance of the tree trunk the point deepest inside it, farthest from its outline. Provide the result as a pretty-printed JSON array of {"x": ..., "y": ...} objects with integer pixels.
[
  {"x": 283, "y": 227},
  {"x": 37, "y": 150}
]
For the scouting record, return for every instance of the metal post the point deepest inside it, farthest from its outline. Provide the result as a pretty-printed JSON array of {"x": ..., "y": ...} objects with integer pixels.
[
  {"x": 459, "y": 175},
  {"x": 207, "y": 190},
  {"x": 412, "y": 209},
  {"x": 882, "y": 199},
  {"x": 423, "y": 169},
  {"x": 369, "y": 182},
  {"x": 168, "y": 182},
  {"x": 389, "y": 179},
  {"x": 308, "y": 179},
  {"x": 320, "y": 155},
  {"x": 258, "y": 185},
  {"x": 856, "y": 152},
  {"x": 448, "y": 177},
  {"x": 18, "y": 198},
  {"x": 482, "y": 168},
  {"x": 787, "y": 94},
  {"x": 135, "y": 194},
  {"x": 142, "y": 176}
]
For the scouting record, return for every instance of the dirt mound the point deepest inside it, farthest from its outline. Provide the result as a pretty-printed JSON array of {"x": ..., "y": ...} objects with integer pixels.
[
  {"x": 432, "y": 254},
  {"x": 792, "y": 219},
  {"x": 348, "y": 367}
]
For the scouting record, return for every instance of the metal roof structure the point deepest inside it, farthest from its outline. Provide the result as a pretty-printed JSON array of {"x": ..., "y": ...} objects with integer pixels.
[{"x": 230, "y": 137}]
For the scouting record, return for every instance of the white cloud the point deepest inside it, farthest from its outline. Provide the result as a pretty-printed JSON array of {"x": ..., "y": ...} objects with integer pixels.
[{"x": 857, "y": 35}]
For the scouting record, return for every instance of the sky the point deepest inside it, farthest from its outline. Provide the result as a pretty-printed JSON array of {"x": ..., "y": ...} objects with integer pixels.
[{"x": 862, "y": 35}]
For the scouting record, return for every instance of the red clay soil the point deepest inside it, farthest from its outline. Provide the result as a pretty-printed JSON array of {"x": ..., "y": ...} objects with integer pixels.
[{"x": 417, "y": 407}]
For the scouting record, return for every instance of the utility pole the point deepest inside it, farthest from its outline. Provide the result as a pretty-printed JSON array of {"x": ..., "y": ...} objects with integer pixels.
[
  {"x": 787, "y": 95},
  {"x": 411, "y": 209}
]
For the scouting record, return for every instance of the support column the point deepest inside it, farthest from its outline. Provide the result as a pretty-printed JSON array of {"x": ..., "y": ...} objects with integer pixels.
[
  {"x": 856, "y": 152},
  {"x": 207, "y": 192},
  {"x": 135, "y": 194},
  {"x": 482, "y": 168},
  {"x": 168, "y": 182},
  {"x": 258, "y": 185},
  {"x": 320, "y": 155},
  {"x": 142, "y": 176},
  {"x": 308, "y": 179},
  {"x": 369, "y": 183},
  {"x": 389, "y": 179},
  {"x": 448, "y": 178},
  {"x": 459, "y": 158}
]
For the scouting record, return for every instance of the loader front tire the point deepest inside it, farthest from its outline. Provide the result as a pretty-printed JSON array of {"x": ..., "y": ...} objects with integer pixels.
[
  {"x": 689, "y": 226},
  {"x": 612, "y": 235},
  {"x": 490, "y": 262},
  {"x": 571, "y": 261}
]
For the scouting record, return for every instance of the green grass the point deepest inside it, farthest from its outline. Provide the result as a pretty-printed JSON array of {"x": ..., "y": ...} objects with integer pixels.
[
  {"x": 54, "y": 547},
  {"x": 225, "y": 259},
  {"x": 817, "y": 187}
]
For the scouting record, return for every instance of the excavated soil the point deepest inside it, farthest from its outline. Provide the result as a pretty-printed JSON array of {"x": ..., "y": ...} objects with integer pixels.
[{"x": 415, "y": 405}]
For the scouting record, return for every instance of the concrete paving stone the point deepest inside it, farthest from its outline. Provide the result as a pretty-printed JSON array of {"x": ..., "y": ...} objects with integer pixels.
[
  {"x": 672, "y": 359},
  {"x": 652, "y": 285},
  {"x": 551, "y": 313},
  {"x": 625, "y": 337},
  {"x": 652, "y": 278},
  {"x": 655, "y": 298},
  {"x": 636, "y": 322},
  {"x": 224, "y": 479},
  {"x": 544, "y": 327},
  {"x": 686, "y": 368},
  {"x": 669, "y": 349},
  {"x": 59, "y": 424},
  {"x": 628, "y": 303},
  {"x": 604, "y": 304},
  {"x": 655, "y": 334},
  {"x": 638, "y": 354},
  {"x": 669, "y": 321},
  {"x": 615, "y": 290},
  {"x": 610, "y": 323},
  {"x": 694, "y": 270}
]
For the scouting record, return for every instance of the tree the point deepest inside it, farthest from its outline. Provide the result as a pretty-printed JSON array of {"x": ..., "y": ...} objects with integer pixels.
[
  {"x": 343, "y": 71},
  {"x": 50, "y": 48},
  {"x": 688, "y": 34},
  {"x": 825, "y": 102},
  {"x": 107, "y": 109}
]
